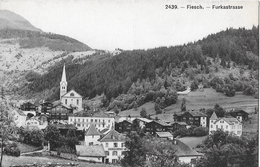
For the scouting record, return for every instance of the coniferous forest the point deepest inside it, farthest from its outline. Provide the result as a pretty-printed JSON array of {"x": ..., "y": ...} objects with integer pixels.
[{"x": 141, "y": 71}]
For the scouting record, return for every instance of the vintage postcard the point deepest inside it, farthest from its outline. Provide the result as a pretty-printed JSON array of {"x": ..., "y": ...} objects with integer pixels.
[{"x": 133, "y": 83}]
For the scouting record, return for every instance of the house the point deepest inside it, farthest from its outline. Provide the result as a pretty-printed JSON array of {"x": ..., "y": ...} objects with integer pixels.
[
  {"x": 82, "y": 121},
  {"x": 178, "y": 125},
  {"x": 92, "y": 136},
  {"x": 114, "y": 146},
  {"x": 231, "y": 125},
  {"x": 45, "y": 107},
  {"x": 28, "y": 106},
  {"x": 164, "y": 135},
  {"x": 60, "y": 112},
  {"x": 241, "y": 115},
  {"x": 70, "y": 99},
  {"x": 192, "y": 118},
  {"x": 157, "y": 126},
  {"x": 91, "y": 153},
  {"x": 141, "y": 122},
  {"x": 63, "y": 128},
  {"x": 124, "y": 126},
  {"x": 36, "y": 122},
  {"x": 19, "y": 118},
  {"x": 184, "y": 153}
]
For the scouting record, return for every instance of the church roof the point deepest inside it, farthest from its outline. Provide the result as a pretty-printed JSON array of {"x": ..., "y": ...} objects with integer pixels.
[
  {"x": 63, "y": 78},
  {"x": 92, "y": 131},
  {"x": 72, "y": 93},
  {"x": 213, "y": 116}
]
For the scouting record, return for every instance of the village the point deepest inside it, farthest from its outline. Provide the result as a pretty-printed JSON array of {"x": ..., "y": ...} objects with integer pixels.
[{"x": 103, "y": 133}]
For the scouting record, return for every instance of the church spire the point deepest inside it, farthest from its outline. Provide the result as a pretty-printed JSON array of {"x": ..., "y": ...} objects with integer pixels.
[
  {"x": 63, "y": 78},
  {"x": 63, "y": 83}
]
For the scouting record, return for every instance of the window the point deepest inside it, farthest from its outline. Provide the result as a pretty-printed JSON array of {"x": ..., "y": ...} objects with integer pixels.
[
  {"x": 72, "y": 94},
  {"x": 216, "y": 126},
  {"x": 78, "y": 120},
  {"x": 65, "y": 101},
  {"x": 211, "y": 126},
  {"x": 106, "y": 153},
  {"x": 91, "y": 120},
  {"x": 196, "y": 118},
  {"x": 114, "y": 153},
  {"x": 92, "y": 136},
  {"x": 226, "y": 126},
  {"x": 108, "y": 121},
  {"x": 90, "y": 143},
  {"x": 221, "y": 126},
  {"x": 106, "y": 144},
  {"x": 82, "y": 120},
  {"x": 122, "y": 144},
  {"x": 95, "y": 120},
  {"x": 115, "y": 145},
  {"x": 77, "y": 101}
]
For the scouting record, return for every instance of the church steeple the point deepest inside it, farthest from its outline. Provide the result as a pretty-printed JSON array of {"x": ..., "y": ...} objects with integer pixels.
[{"x": 63, "y": 83}]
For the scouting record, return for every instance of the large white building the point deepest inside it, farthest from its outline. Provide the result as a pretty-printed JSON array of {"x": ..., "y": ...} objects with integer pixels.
[
  {"x": 84, "y": 122},
  {"x": 232, "y": 125},
  {"x": 114, "y": 146},
  {"x": 92, "y": 136},
  {"x": 70, "y": 99}
]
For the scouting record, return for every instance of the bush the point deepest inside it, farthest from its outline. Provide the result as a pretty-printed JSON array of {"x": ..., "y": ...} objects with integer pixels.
[
  {"x": 192, "y": 131},
  {"x": 12, "y": 149}
]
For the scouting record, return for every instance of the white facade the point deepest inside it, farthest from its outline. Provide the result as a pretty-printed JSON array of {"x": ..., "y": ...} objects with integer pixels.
[
  {"x": 19, "y": 118},
  {"x": 203, "y": 121},
  {"x": 232, "y": 125},
  {"x": 90, "y": 159},
  {"x": 72, "y": 99},
  {"x": 85, "y": 122},
  {"x": 36, "y": 122},
  {"x": 92, "y": 140},
  {"x": 113, "y": 150}
]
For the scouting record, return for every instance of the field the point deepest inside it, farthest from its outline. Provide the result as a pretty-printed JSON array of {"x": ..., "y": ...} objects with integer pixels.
[
  {"x": 197, "y": 100},
  {"x": 23, "y": 160}
]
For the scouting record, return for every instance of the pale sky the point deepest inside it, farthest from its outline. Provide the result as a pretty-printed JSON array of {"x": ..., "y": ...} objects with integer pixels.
[{"x": 132, "y": 24}]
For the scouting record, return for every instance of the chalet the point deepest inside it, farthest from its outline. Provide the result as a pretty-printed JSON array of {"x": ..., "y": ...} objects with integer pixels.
[
  {"x": 141, "y": 122},
  {"x": 92, "y": 136},
  {"x": 241, "y": 115},
  {"x": 178, "y": 125},
  {"x": 124, "y": 126},
  {"x": 91, "y": 153},
  {"x": 60, "y": 112},
  {"x": 46, "y": 107},
  {"x": 157, "y": 126},
  {"x": 192, "y": 118},
  {"x": 82, "y": 121},
  {"x": 28, "y": 107},
  {"x": 114, "y": 146},
  {"x": 164, "y": 135}
]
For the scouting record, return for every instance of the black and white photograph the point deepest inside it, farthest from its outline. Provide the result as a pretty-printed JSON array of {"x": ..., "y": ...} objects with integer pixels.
[{"x": 129, "y": 83}]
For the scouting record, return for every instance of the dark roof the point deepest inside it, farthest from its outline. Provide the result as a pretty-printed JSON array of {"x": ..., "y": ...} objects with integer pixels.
[
  {"x": 238, "y": 111},
  {"x": 197, "y": 114},
  {"x": 90, "y": 151},
  {"x": 92, "y": 131},
  {"x": 112, "y": 136},
  {"x": 161, "y": 123}
]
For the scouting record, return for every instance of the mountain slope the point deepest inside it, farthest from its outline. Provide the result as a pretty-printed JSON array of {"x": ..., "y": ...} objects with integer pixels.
[
  {"x": 11, "y": 20},
  {"x": 115, "y": 75}
]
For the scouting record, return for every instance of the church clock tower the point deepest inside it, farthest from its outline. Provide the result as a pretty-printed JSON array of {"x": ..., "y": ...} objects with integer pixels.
[{"x": 63, "y": 83}]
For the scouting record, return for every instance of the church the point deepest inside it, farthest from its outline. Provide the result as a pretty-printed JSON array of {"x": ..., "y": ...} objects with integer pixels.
[{"x": 70, "y": 99}]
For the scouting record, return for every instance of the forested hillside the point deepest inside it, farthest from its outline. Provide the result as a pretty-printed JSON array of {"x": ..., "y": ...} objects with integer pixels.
[{"x": 164, "y": 66}]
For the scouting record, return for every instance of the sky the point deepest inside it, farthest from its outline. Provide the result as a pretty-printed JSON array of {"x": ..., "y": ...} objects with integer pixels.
[{"x": 132, "y": 24}]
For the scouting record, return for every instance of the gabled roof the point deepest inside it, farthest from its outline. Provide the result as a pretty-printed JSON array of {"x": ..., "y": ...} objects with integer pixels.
[
  {"x": 75, "y": 94},
  {"x": 214, "y": 116},
  {"x": 104, "y": 131},
  {"x": 112, "y": 136},
  {"x": 161, "y": 123},
  {"x": 164, "y": 134},
  {"x": 197, "y": 114},
  {"x": 144, "y": 120},
  {"x": 92, "y": 131},
  {"x": 182, "y": 150},
  {"x": 238, "y": 111},
  {"x": 90, "y": 151},
  {"x": 230, "y": 121}
]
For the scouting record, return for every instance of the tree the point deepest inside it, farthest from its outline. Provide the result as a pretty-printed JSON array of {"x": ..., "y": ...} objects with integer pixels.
[
  {"x": 143, "y": 112},
  {"x": 7, "y": 125},
  {"x": 135, "y": 155},
  {"x": 159, "y": 152},
  {"x": 53, "y": 136},
  {"x": 37, "y": 137},
  {"x": 71, "y": 140}
]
